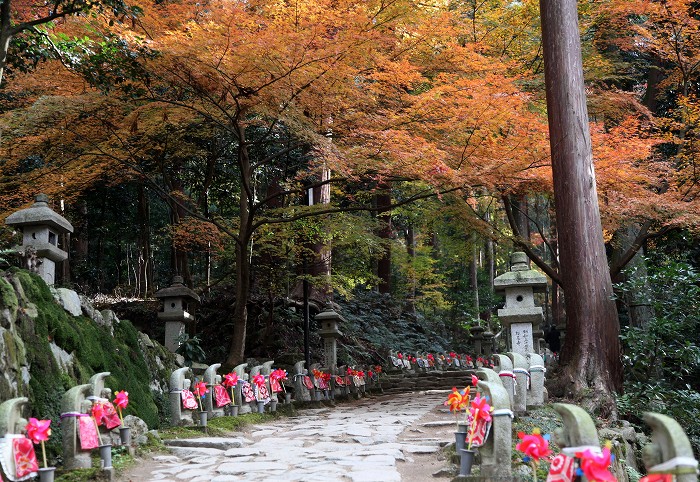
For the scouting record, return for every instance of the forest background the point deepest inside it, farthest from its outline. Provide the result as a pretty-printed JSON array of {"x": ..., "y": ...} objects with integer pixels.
[{"x": 390, "y": 146}]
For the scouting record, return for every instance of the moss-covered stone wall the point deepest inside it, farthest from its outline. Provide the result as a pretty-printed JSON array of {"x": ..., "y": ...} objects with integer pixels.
[{"x": 31, "y": 321}]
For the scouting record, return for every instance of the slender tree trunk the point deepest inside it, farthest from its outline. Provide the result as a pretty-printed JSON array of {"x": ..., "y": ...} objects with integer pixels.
[
  {"x": 474, "y": 273},
  {"x": 411, "y": 251},
  {"x": 591, "y": 355},
  {"x": 520, "y": 213},
  {"x": 145, "y": 264},
  {"x": 383, "y": 200},
  {"x": 638, "y": 303},
  {"x": 236, "y": 353}
]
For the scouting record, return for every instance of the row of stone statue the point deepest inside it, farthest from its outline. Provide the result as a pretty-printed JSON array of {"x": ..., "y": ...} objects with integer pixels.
[
  {"x": 669, "y": 452},
  {"x": 245, "y": 396},
  {"x": 76, "y": 404}
]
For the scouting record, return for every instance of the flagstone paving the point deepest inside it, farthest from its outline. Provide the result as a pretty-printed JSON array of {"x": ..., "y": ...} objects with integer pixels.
[{"x": 388, "y": 438}]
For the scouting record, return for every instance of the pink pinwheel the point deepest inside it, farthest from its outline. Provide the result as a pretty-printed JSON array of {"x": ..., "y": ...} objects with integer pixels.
[
  {"x": 121, "y": 401},
  {"x": 533, "y": 445},
  {"x": 475, "y": 380},
  {"x": 259, "y": 380},
  {"x": 595, "y": 466},
  {"x": 480, "y": 408},
  {"x": 39, "y": 431}
]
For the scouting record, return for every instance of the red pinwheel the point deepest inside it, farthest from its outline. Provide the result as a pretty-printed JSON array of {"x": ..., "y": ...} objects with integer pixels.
[
  {"x": 97, "y": 411},
  {"x": 453, "y": 354},
  {"x": 200, "y": 389},
  {"x": 595, "y": 466},
  {"x": 39, "y": 431},
  {"x": 230, "y": 380},
  {"x": 360, "y": 373},
  {"x": 279, "y": 374},
  {"x": 399, "y": 355},
  {"x": 533, "y": 445},
  {"x": 121, "y": 401},
  {"x": 350, "y": 371},
  {"x": 475, "y": 380},
  {"x": 259, "y": 380}
]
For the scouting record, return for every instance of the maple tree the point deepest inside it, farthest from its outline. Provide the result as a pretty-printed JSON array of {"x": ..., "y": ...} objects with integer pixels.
[{"x": 233, "y": 112}]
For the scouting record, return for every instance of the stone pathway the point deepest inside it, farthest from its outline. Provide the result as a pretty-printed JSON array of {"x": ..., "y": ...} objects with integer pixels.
[{"x": 390, "y": 438}]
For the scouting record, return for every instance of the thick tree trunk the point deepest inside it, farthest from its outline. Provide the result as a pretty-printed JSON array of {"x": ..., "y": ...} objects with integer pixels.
[{"x": 591, "y": 354}]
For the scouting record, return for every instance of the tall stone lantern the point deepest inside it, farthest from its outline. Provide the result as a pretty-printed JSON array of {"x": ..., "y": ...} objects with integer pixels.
[
  {"x": 41, "y": 229},
  {"x": 520, "y": 313},
  {"x": 328, "y": 320},
  {"x": 176, "y": 299}
]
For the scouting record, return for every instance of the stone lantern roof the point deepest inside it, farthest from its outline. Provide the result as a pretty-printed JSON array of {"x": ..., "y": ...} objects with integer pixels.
[
  {"x": 520, "y": 276},
  {"x": 177, "y": 290},
  {"x": 328, "y": 320},
  {"x": 40, "y": 213}
]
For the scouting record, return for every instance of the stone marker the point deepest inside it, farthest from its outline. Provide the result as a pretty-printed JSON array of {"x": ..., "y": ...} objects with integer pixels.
[
  {"x": 178, "y": 383},
  {"x": 522, "y": 374},
  {"x": 520, "y": 312},
  {"x": 497, "y": 449},
  {"x": 505, "y": 373},
  {"x": 42, "y": 228},
  {"x": 670, "y": 451},
  {"x": 535, "y": 395}
]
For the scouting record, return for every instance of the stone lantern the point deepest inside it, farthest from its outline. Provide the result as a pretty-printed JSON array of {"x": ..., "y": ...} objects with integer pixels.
[
  {"x": 328, "y": 320},
  {"x": 520, "y": 312},
  {"x": 477, "y": 335},
  {"x": 41, "y": 228},
  {"x": 175, "y": 305}
]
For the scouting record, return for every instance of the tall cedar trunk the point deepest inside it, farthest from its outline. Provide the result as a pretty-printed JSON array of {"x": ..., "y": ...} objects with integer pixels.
[
  {"x": 591, "y": 355},
  {"x": 383, "y": 199},
  {"x": 236, "y": 354}
]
